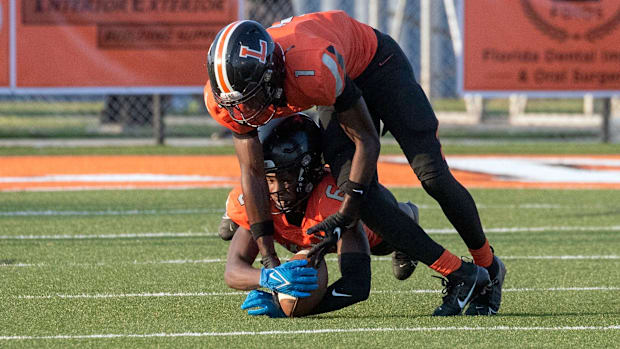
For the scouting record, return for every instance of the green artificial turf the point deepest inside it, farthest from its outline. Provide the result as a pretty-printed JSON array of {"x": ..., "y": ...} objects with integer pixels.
[{"x": 144, "y": 268}]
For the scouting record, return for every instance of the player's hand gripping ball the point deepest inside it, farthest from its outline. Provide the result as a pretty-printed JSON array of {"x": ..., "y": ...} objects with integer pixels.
[{"x": 295, "y": 307}]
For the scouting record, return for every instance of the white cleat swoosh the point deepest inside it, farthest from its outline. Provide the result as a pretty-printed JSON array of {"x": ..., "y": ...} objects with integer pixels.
[{"x": 463, "y": 303}]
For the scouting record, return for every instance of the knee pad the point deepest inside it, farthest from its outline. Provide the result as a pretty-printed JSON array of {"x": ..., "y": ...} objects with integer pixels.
[{"x": 443, "y": 183}]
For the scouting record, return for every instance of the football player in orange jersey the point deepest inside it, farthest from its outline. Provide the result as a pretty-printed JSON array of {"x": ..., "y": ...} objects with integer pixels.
[
  {"x": 329, "y": 59},
  {"x": 303, "y": 194}
]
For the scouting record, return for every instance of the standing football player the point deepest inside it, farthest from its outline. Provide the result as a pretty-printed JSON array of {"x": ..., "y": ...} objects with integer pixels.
[{"x": 330, "y": 59}]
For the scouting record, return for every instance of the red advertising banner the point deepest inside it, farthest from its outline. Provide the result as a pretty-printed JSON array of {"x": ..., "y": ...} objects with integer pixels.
[
  {"x": 116, "y": 44},
  {"x": 541, "y": 46},
  {"x": 4, "y": 44}
]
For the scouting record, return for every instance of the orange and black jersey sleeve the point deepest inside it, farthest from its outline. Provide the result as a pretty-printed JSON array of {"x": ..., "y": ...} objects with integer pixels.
[
  {"x": 235, "y": 207},
  {"x": 324, "y": 53}
]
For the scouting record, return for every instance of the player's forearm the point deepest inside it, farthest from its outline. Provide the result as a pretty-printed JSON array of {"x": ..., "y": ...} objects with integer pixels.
[
  {"x": 364, "y": 164},
  {"x": 242, "y": 276},
  {"x": 255, "y": 191},
  {"x": 363, "y": 168},
  {"x": 257, "y": 208},
  {"x": 255, "y": 194},
  {"x": 357, "y": 124}
]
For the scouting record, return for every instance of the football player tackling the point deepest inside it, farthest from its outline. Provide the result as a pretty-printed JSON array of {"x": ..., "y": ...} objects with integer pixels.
[
  {"x": 302, "y": 194},
  {"x": 329, "y": 59}
]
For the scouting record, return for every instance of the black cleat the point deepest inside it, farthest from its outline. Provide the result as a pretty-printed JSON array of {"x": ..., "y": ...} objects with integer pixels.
[
  {"x": 403, "y": 265},
  {"x": 227, "y": 228},
  {"x": 461, "y": 286},
  {"x": 489, "y": 302}
]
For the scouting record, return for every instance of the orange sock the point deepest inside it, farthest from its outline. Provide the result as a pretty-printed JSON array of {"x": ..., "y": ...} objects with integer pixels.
[
  {"x": 447, "y": 263},
  {"x": 483, "y": 256}
]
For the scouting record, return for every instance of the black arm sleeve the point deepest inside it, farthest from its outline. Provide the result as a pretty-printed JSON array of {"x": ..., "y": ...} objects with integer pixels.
[
  {"x": 352, "y": 287},
  {"x": 348, "y": 97}
]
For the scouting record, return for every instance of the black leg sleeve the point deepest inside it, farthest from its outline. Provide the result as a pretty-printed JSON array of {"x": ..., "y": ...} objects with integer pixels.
[
  {"x": 381, "y": 214},
  {"x": 458, "y": 206},
  {"x": 380, "y": 210},
  {"x": 352, "y": 287}
]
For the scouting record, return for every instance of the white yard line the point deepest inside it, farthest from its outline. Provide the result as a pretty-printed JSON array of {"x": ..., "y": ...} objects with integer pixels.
[
  {"x": 498, "y": 230},
  {"x": 237, "y": 293},
  {"x": 114, "y": 178},
  {"x": 321, "y": 331},
  {"x": 105, "y": 236},
  {"x": 530, "y": 229},
  {"x": 106, "y": 212},
  {"x": 564, "y": 257},
  {"x": 332, "y": 259},
  {"x": 534, "y": 206}
]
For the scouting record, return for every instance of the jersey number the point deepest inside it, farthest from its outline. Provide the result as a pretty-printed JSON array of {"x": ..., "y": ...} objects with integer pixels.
[{"x": 336, "y": 195}]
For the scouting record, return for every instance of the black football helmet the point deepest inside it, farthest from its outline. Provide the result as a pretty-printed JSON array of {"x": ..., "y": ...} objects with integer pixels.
[
  {"x": 294, "y": 146},
  {"x": 246, "y": 68}
]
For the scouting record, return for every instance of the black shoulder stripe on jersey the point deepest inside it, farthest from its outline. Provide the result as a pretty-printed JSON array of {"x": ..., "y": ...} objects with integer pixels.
[{"x": 333, "y": 51}]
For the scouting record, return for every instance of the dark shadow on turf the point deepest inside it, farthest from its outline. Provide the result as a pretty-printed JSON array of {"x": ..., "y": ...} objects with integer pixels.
[
  {"x": 515, "y": 315},
  {"x": 370, "y": 316}
]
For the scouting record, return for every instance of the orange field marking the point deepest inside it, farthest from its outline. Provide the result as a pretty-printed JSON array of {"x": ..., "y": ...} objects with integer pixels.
[{"x": 104, "y": 172}]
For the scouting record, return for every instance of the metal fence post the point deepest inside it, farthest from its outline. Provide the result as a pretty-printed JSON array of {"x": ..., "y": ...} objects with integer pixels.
[
  {"x": 425, "y": 46},
  {"x": 606, "y": 119},
  {"x": 158, "y": 120}
]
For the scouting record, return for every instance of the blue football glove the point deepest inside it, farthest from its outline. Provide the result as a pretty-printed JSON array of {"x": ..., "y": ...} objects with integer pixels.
[
  {"x": 265, "y": 304},
  {"x": 291, "y": 278}
]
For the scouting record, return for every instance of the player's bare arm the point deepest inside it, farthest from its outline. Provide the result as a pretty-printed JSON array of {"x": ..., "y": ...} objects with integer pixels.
[
  {"x": 357, "y": 124},
  {"x": 291, "y": 278},
  {"x": 250, "y": 155},
  {"x": 242, "y": 252}
]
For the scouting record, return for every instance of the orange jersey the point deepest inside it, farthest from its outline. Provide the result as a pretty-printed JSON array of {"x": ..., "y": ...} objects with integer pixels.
[
  {"x": 324, "y": 201},
  {"x": 320, "y": 49}
]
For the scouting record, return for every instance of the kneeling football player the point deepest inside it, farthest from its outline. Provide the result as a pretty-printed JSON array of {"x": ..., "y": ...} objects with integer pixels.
[{"x": 302, "y": 195}]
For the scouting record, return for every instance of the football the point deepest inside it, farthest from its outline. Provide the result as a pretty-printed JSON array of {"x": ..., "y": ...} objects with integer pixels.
[{"x": 295, "y": 307}]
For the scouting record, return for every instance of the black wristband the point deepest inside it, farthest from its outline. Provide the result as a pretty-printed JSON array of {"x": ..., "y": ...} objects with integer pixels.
[
  {"x": 355, "y": 190},
  {"x": 262, "y": 229}
]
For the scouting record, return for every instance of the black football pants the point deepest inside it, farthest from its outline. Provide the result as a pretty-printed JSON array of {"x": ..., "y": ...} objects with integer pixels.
[{"x": 393, "y": 96}]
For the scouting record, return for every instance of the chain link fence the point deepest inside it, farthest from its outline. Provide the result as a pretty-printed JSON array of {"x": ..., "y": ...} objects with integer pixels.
[{"x": 185, "y": 116}]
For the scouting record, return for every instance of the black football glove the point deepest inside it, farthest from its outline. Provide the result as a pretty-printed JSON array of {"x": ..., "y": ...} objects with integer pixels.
[{"x": 332, "y": 226}]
